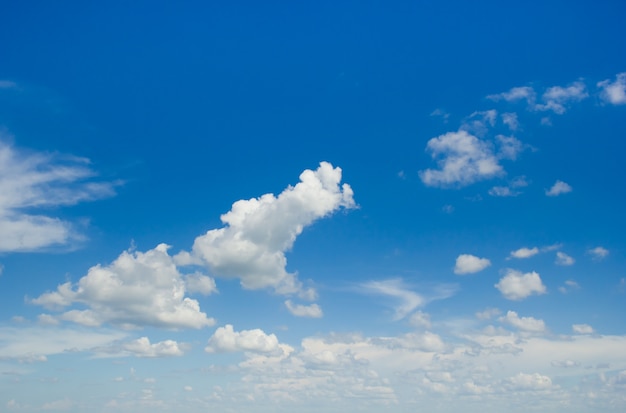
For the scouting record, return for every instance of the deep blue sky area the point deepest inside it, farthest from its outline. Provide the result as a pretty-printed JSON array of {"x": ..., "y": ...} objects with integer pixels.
[{"x": 475, "y": 253}]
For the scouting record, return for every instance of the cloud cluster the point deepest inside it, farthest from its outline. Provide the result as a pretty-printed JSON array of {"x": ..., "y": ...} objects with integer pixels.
[
  {"x": 555, "y": 99},
  {"x": 147, "y": 288},
  {"x": 30, "y": 181},
  {"x": 137, "y": 289}
]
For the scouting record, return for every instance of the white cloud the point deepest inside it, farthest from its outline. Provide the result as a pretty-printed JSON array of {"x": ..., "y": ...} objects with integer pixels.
[
  {"x": 523, "y": 381},
  {"x": 556, "y": 98},
  {"x": 559, "y": 188},
  {"x": 469, "y": 264},
  {"x": 137, "y": 289},
  {"x": 564, "y": 259},
  {"x": 598, "y": 253},
  {"x": 299, "y": 310},
  {"x": 615, "y": 92},
  {"x": 526, "y": 93},
  {"x": 528, "y": 324},
  {"x": 395, "y": 288},
  {"x": 420, "y": 319},
  {"x": 35, "y": 343},
  {"x": 30, "y": 181},
  {"x": 510, "y": 147},
  {"x": 479, "y": 122},
  {"x": 509, "y": 190},
  {"x": 462, "y": 159},
  {"x": 582, "y": 329},
  {"x": 503, "y": 191},
  {"x": 258, "y": 231},
  {"x": 524, "y": 252},
  {"x": 47, "y": 320},
  {"x": 510, "y": 120},
  {"x": 199, "y": 283},
  {"x": 143, "y": 348},
  {"x": 487, "y": 314},
  {"x": 570, "y": 285},
  {"x": 516, "y": 286},
  {"x": 227, "y": 340}
]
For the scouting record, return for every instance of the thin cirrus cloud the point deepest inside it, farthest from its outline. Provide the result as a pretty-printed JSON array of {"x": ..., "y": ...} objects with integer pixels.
[
  {"x": 406, "y": 300},
  {"x": 30, "y": 181},
  {"x": 470, "y": 264}
]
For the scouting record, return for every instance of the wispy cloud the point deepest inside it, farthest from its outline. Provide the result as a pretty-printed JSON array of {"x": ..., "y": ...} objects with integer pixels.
[{"x": 31, "y": 181}]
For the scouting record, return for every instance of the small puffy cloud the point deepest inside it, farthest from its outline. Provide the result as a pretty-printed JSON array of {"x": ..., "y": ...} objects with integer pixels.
[
  {"x": 516, "y": 286},
  {"x": 559, "y": 188},
  {"x": 137, "y": 289},
  {"x": 299, "y": 310},
  {"x": 582, "y": 329},
  {"x": 509, "y": 147},
  {"x": 614, "y": 92},
  {"x": 479, "y": 122},
  {"x": 258, "y": 231},
  {"x": 510, "y": 120},
  {"x": 227, "y": 340},
  {"x": 556, "y": 98},
  {"x": 564, "y": 259},
  {"x": 188, "y": 388},
  {"x": 524, "y": 252},
  {"x": 523, "y": 381},
  {"x": 395, "y": 288},
  {"x": 527, "y": 324},
  {"x": 462, "y": 159},
  {"x": 469, "y": 264},
  {"x": 30, "y": 181},
  {"x": 143, "y": 348},
  {"x": 598, "y": 253},
  {"x": 526, "y": 93},
  {"x": 510, "y": 190}
]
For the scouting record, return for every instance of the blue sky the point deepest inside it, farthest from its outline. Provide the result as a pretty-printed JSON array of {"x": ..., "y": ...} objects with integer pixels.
[{"x": 336, "y": 207}]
